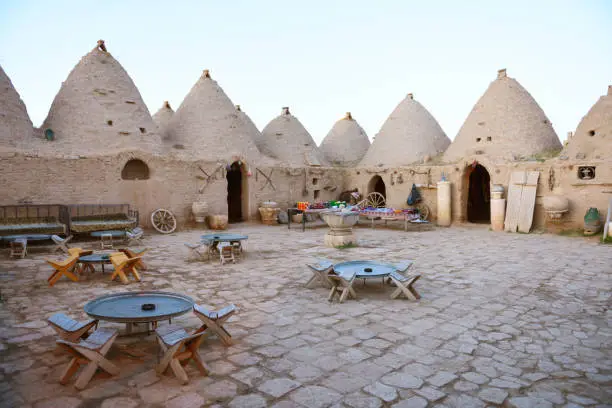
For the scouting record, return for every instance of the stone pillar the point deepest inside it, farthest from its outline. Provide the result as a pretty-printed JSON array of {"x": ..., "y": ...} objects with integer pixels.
[
  {"x": 498, "y": 208},
  {"x": 444, "y": 203}
]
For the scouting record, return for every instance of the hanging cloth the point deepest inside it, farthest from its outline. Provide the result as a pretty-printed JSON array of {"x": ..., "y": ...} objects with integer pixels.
[{"x": 414, "y": 196}]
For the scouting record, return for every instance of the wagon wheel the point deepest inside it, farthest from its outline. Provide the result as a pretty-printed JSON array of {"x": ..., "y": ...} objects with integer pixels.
[
  {"x": 423, "y": 210},
  {"x": 375, "y": 200},
  {"x": 163, "y": 221}
]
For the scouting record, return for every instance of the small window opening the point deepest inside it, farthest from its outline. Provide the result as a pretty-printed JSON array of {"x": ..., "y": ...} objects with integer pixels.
[
  {"x": 477, "y": 139},
  {"x": 131, "y": 102},
  {"x": 143, "y": 130},
  {"x": 135, "y": 169},
  {"x": 315, "y": 181},
  {"x": 488, "y": 138},
  {"x": 109, "y": 122},
  {"x": 317, "y": 194},
  {"x": 124, "y": 133},
  {"x": 591, "y": 133}
]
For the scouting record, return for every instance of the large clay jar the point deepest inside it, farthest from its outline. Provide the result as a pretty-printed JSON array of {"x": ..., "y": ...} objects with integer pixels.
[
  {"x": 555, "y": 207},
  {"x": 269, "y": 216},
  {"x": 592, "y": 223},
  {"x": 199, "y": 209},
  {"x": 217, "y": 222},
  {"x": 269, "y": 204}
]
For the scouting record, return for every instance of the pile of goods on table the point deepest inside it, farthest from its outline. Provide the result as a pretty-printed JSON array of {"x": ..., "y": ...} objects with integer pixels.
[
  {"x": 320, "y": 205},
  {"x": 410, "y": 213}
]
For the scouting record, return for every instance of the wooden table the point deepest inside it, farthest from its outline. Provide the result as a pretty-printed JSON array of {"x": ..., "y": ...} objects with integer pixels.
[
  {"x": 127, "y": 308},
  {"x": 291, "y": 211}
]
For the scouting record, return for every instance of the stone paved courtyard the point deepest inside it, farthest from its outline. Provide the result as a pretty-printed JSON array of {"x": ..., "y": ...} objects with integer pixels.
[{"x": 505, "y": 319}]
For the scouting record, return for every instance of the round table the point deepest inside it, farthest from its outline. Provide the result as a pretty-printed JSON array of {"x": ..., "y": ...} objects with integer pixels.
[
  {"x": 128, "y": 307},
  {"x": 224, "y": 237},
  {"x": 113, "y": 233},
  {"x": 365, "y": 269},
  {"x": 89, "y": 260},
  {"x": 214, "y": 239}
]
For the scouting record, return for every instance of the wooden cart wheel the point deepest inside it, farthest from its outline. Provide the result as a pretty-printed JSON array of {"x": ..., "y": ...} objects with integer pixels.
[
  {"x": 163, "y": 221},
  {"x": 423, "y": 211},
  {"x": 375, "y": 200}
]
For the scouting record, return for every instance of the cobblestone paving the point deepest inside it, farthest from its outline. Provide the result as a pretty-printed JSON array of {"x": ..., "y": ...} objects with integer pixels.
[{"x": 512, "y": 319}]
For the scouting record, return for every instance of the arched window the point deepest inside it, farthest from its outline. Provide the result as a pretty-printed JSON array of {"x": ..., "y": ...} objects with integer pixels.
[{"x": 135, "y": 169}]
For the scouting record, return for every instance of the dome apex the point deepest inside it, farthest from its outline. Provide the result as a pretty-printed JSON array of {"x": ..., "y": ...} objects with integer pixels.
[
  {"x": 409, "y": 134},
  {"x": 346, "y": 142},
  {"x": 209, "y": 126},
  {"x": 98, "y": 110},
  {"x": 506, "y": 122},
  {"x": 286, "y": 139}
]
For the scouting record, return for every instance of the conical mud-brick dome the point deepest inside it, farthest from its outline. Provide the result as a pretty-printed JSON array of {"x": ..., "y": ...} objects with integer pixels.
[
  {"x": 593, "y": 136},
  {"x": 346, "y": 142},
  {"x": 162, "y": 118},
  {"x": 15, "y": 125},
  {"x": 207, "y": 125},
  {"x": 505, "y": 122},
  {"x": 99, "y": 110},
  {"x": 409, "y": 135},
  {"x": 286, "y": 139}
]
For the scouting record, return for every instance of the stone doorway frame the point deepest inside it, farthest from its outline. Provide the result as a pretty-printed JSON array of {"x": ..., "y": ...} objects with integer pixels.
[
  {"x": 244, "y": 189},
  {"x": 372, "y": 185},
  {"x": 465, "y": 189}
]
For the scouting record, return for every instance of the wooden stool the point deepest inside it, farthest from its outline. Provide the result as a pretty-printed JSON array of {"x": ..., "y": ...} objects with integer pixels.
[
  {"x": 226, "y": 252},
  {"x": 106, "y": 241},
  {"x": 19, "y": 247}
]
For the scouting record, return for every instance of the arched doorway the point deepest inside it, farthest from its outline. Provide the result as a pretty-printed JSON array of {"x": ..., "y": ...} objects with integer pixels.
[
  {"x": 236, "y": 193},
  {"x": 377, "y": 185},
  {"x": 479, "y": 194}
]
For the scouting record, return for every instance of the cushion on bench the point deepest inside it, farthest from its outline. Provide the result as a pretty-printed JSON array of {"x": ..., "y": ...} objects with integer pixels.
[
  {"x": 20, "y": 226},
  {"x": 103, "y": 222}
]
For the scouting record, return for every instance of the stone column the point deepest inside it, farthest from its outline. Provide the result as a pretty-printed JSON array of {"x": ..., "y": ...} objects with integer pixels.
[
  {"x": 498, "y": 208},
  {"x": 444, "y": 203}
]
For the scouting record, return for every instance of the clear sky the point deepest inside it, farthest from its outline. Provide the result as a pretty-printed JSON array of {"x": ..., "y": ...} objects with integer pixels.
[{"x": 321, "y": 58}]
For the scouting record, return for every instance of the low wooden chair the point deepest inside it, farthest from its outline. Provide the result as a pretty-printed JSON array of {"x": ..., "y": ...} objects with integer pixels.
[
  {"x": 403, "y": 266},
  {"x": 237, "y": 250},
  {"x": 320, "y": 270},
  {"x": 342, "y": 285},
  {"x": 79, "y": 252},
  {"x": 69, "y": 329},
  {"x": 199, "y": 250},
  {"x": 404, "y": 285},
  {"x": 134, "y": 236},
  {"x": 226, "y": 252},
  {"x": 61, "y": 244},
  {"x": 64, "y": 268},
  {"x": 136, "y": 254},
  {"x": 179, "y": 347},
  {"x": 91, "y": 352},
  {"x": 19, "y": 247},
  {"x": 123, "y": 267},
  {"x": 214, "y": 320}
]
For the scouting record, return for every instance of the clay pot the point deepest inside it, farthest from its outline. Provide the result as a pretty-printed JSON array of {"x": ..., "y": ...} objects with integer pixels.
[
  {"x": 555, "y": 203},
  {"x": 217, "y": 222},
  {"x": 592, "y": 222},
  {"x": 199, "y": 209},
  {"x": 269, "y": 204},
  {"x": 269, "y": 216},
  {"x": 297, "y": 218}
]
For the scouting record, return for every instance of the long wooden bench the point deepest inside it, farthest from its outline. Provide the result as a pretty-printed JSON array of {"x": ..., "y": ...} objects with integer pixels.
[
  {"x": 23, "y": 219},
  {"x": 85, "y": 218}
]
